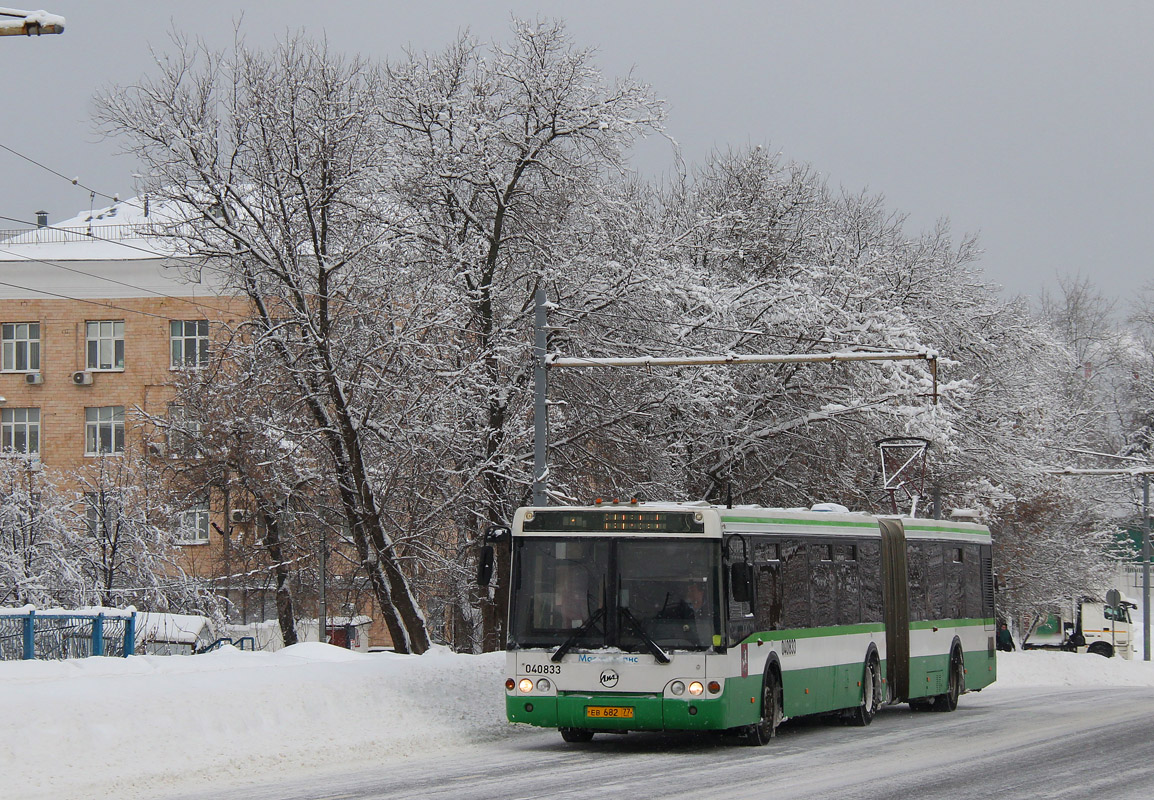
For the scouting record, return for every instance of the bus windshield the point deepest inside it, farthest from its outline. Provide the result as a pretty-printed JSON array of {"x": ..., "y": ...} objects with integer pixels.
[{"x": 630, "y": 593}]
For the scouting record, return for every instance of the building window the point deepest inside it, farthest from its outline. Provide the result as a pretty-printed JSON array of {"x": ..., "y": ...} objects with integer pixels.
[
  {"x": 21, "y": 347},
  {"x": 106, "y": 344},
  {"x": 183, "y": 432},
  {"x": 103, "y": 430},
  {"x": 20, "y": 431},
  {"x": 192, "y": 525},
  {"x": 101, "y": 514},
  {"x": 189, "y": 342}
]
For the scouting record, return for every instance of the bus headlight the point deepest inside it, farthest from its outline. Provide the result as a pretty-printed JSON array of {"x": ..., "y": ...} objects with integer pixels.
[
  {"x": 543, "y": 685},
  {"x": 677, "y": 687},
  {"x": 714, "y": 687},
  {"x": 526, "y": 685},
  {"x": 510, "y": 684},
  {"x": 696, "y": 688}
]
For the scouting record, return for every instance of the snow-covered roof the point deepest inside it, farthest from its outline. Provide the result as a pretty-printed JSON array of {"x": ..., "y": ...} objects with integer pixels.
[
  {"x": 178, "y": 628},
  {"x": 119, "y": 232},
  {"x": 118, "y": 257}
]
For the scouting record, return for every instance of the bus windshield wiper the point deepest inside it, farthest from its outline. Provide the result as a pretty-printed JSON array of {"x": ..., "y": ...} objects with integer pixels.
[
  {"x": 637, "y": 627},
  {"x": 567, "y": 645}
]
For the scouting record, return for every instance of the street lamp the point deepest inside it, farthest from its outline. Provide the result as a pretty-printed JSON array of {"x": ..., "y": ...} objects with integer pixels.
[{"x": 14, "y": 22}]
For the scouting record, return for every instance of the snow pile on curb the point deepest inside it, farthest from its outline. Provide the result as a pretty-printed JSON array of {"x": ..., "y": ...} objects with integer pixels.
[
  {"x": 83, "y": 727},
  {"x": 158, "y": 725},
  {"x": 1043, "y": 668}
]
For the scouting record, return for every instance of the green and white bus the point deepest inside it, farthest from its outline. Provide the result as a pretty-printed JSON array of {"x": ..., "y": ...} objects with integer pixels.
[{"x": 695, "y": 617}]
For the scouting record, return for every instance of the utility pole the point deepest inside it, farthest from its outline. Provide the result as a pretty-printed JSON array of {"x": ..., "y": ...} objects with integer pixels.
[
  {"x": 1145, "y": 472},
  {"x": 322, "y": 608},
  {"x": 540, "y": 407}
]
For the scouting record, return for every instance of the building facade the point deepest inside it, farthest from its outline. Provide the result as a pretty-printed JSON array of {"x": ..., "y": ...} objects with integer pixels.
[{"x": 96, "y": 322}]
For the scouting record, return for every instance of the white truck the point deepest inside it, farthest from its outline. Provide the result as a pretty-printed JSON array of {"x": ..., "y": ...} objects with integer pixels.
[{"x": 1087, "y": 625}]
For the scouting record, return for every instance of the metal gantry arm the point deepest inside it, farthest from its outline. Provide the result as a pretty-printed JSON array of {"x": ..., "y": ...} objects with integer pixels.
[{"x": 543, "y": 361}]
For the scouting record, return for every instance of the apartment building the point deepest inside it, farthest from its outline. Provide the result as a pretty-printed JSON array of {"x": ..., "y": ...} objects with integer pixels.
[{"x": 96, "y": 322}]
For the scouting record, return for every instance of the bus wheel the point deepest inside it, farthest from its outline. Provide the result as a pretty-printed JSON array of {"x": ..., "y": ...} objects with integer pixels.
[
  {"x": 576, "y": 735},
  {"x": 957, "y": 682},
  {"x": 871, "y": 699},
  {"x": 1101, "y": 649},
  {"x": 771, "y": 703}
]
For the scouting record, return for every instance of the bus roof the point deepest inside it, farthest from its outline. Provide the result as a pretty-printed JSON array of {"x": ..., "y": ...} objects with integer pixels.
[{"x": 642, "y": 518}]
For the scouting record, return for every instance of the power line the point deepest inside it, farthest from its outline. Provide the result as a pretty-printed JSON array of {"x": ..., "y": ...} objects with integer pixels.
[{"x": 73, "y": 181}]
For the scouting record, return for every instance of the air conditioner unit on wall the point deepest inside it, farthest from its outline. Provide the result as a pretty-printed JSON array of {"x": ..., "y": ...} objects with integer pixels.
[
  {"x": 33, "y": 379},
  {"x": 82, "y": 378},
  {"x": 238, "y": 515}
]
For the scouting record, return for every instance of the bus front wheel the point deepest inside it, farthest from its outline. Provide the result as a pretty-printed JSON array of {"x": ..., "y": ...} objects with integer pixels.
[{"x": 771, "y": 703}]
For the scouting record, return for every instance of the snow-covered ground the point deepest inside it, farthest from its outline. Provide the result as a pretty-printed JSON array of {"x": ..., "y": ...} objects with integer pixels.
[{"x": 151, "y": 725}]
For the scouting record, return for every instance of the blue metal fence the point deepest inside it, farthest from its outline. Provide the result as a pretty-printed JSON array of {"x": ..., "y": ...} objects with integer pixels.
[{"x": 55, "y": 635}]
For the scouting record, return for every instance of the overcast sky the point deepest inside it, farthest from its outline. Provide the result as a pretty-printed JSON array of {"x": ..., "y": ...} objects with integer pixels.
[{"x": 1027, "y": 123}]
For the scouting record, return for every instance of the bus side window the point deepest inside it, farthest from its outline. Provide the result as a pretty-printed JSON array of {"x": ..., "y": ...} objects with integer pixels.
[
  {"x": 935, "y": 580},
  {"x": 870, "y": 579},
  {"x": 916, "y": 569},
  {"x": 954, "y": 566},
  {"x": 823, "y": 597},
  {"x": 795, "y": 585},
  {"x": 847, "y": 584},
  {"x": 767, "y": 614},
  {"x": 972, "y": 575}
]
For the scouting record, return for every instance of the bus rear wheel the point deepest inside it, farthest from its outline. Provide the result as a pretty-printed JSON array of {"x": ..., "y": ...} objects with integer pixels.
[
  {"x": 576, "y": 735},
  {"x": 765, "y": 729},
  {"x": 955, "y": 685}
]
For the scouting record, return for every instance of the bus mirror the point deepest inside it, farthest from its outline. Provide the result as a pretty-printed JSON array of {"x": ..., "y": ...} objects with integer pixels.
[
  {"x": 497, "y": 534},
  {"x": 741, "y": 582},
  {"x": 485, "y": 565}
]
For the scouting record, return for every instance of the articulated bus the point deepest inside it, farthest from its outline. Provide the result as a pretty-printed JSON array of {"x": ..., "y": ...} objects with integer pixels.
[{"x": 695, "y": 617}]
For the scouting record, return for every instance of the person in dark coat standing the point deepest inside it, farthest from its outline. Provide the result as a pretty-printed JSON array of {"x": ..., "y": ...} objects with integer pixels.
[{"x": 1005, "y": 640}]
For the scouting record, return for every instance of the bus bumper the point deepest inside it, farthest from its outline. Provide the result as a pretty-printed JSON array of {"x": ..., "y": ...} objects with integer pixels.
[{"x": 650, "y": 712}]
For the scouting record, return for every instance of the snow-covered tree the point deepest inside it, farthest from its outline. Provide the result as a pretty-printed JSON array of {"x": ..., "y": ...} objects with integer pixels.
[
  {"x": 277, "y": 161},
  {"x": 498, "y": 150},
  {"x": 124, "y": 541},
  {"x": 34, "y": 526}
]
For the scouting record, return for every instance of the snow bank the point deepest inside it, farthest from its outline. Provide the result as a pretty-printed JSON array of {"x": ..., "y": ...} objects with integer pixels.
[
  {"x": 150, "y": 725},
  {"x": 1042, "y": 668},
  {"x": 89, "y": 726}
]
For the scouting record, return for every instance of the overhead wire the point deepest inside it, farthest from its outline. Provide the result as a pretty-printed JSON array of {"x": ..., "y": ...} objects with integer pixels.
[{"x": 73, "y": 181}]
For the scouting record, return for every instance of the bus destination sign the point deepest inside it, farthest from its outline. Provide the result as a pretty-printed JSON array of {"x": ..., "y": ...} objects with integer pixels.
[{"x": 615, "y": 520}]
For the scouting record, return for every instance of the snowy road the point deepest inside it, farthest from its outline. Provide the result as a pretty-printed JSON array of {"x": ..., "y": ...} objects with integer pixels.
[{"x": 1005, "y": 742}]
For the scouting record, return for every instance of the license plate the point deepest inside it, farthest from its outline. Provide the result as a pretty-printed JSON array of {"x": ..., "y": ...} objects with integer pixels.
[{"x": 609, "y": 712}]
